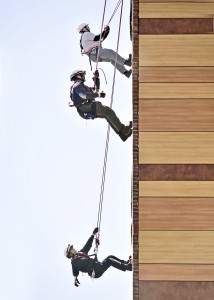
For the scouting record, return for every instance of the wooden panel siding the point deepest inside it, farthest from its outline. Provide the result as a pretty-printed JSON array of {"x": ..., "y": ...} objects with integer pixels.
[
  {"x": 176, "y": 290},
  {"x": 176, "y": 50},
  {"x": 175, "y": 26},
  {"x": 173, "y": 149},
  {"x": 172, "y": 1},
  {"x": 176, "y": 272},
  {"x": 192, "y": 247},
  {"x": 176, "y": 189},
  {"x": 176, "y": 10},
  {"x": 176, "y": 213},
  {"x": 181, "y": 172},
  {"x": 176, "y": 148},
  {"x": 176, "y": 90},
  {"x": 176, "y": 74},
  {"x": 176, "y": 115}
]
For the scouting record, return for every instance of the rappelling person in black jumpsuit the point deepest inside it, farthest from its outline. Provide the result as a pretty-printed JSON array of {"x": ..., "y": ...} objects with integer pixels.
[
  {"x": 83, "y": 98},
  {"x": 82, "y": 262}
]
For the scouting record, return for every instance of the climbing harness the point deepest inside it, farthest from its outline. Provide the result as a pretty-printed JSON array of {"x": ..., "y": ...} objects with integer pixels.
[
  {"x": 96, "y": 50},
  {"x": 87, "y": 115},
  {"x": 99, "y": 217}
]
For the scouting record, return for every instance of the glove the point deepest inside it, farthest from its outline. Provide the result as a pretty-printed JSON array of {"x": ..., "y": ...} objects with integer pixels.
[
  {"x": 96, "y": 74},
  {"x": 96, "y": 83},
  {"x": 76, "y": 282},
  {"x": 102, "y": 95},
  {"x": 106, "y": 28},
  {"x": 95, "y": 230}
]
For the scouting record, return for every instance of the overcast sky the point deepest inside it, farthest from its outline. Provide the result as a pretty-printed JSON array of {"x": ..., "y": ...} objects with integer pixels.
[{"x": 51, "y": 160}]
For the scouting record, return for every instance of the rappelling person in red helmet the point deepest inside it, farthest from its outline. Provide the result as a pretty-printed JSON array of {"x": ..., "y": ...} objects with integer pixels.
[
  {"x": 91, "y": 45},
  {"x": 82, "y": 262},
  {"x": 83, "y": 98}
]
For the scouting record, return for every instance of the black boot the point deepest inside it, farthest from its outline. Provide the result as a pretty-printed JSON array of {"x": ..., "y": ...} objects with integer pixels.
[
  {"x": 129, "y": 260},
  {"x": 128, "y": 61},
  {"x": 126, "y": 132},
  {"x": 128, "y": 73},
  {"x": 128, "y": 266}
]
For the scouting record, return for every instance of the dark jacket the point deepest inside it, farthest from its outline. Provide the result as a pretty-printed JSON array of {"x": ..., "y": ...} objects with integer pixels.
[
  {"x": 80, "y": 93},
  {"x": 82, "y": 262}
]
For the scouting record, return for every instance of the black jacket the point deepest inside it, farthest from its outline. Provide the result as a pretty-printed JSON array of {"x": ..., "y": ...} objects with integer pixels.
[
  {"x": 80, "y": 93},
  {"x": 82, "y": 262}
]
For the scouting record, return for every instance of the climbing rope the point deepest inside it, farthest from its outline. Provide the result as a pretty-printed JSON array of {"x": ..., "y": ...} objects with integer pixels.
[
  {"x": 101, "y": 30},
  {"x": 104, "y": 10},
  {"x": 107, "y": 139},
  {"x": 115, "y": 10}
]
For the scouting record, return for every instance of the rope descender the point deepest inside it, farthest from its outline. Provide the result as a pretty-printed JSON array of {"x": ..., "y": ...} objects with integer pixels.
[{"x": 97, "y": 243}]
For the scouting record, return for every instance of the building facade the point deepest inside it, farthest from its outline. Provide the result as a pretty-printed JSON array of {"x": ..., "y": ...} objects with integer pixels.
[{"x": 173, "y": 149}]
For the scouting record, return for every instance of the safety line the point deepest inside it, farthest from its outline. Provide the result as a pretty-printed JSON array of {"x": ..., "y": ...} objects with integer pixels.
[
  {"x": 108, "y": 134},
  {"x": 98, "y": 54},
  {"x": 115, "y": 10}
]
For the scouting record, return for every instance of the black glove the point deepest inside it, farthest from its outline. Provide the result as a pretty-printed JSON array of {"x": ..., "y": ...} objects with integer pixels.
[
  {"x": 76, "y": 282},
  {"x": 96, "y": 74},
  {"x": 95, "y": 230},
  {"x": 96, "y": 83},
  {"x": 102, "y": 95},
  {"x": 106, "y": 28}
]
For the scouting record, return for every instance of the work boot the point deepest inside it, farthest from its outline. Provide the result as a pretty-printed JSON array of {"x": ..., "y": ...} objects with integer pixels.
[
  {"x": 128, "y": 61},
  {"x": 128, "y": 266},
  {"x": 129, "y": 260},
  {"x": 128, "y": 73},
  {"x": 126, "y": 132}
]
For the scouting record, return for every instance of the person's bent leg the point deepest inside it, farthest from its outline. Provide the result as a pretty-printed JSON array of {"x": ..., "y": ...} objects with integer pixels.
[
  {"x": 106, "y": 112},
  {"x": 115, "y": 262},
  {"x": 110, "y": 55}
]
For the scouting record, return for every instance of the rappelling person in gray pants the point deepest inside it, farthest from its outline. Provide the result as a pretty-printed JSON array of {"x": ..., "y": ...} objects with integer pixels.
[
  {"x": 83, "y": 98},
  {"x": 91, "y": 45}
]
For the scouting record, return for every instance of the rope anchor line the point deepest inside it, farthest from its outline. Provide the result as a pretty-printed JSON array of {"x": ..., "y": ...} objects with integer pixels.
[{"x": 99, "y": 218}]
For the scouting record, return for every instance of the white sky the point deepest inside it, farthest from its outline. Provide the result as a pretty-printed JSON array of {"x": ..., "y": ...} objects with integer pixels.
[{"x": 51, "y": 160}]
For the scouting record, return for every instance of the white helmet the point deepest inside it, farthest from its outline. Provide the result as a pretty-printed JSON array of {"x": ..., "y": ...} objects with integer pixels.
[
  {"x": 77, "y": 72},
  {"x": 81, "y": 26}
]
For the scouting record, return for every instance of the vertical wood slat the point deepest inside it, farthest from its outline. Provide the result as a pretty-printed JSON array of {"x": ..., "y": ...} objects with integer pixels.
[
  {"x": 176, "y": 50},
  {"x": 176, "y": 148},
  {"x": 192, "y": 247},
  {"x": 176, "y": 74},
  {"x": 176, "y": 115},
  {"x": 172, "y": 1},
  {"x": 175, "y": 26},
  {"x": 176, "y": 272},
  {"x": 176, "y": 290},
  {"x": 158, "y": 213},
  {"x": 176, "y": 90},
  {"x": 176, "y": 10},
  {"x": 176, "y": 189},
  {"x": 176, "y": 172}
]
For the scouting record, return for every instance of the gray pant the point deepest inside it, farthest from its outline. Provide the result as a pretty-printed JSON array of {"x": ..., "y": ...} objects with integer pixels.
[
  {"x": 108, "y": 55},
  {"x": 100, "y": 111}
]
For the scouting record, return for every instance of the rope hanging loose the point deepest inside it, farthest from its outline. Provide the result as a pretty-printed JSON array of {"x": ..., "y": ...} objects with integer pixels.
[{"x": 107, "y": 137}]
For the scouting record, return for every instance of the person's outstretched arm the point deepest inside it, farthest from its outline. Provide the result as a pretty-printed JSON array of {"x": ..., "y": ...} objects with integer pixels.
[
  {"x": 89, "y": 242},
  {"x": 104, "y": 34}
]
